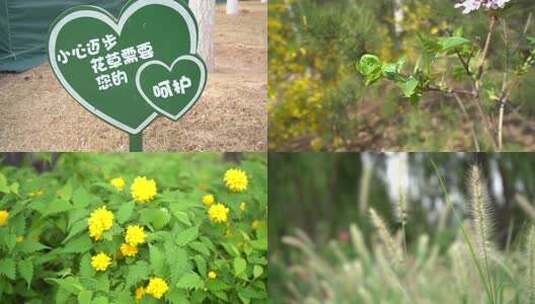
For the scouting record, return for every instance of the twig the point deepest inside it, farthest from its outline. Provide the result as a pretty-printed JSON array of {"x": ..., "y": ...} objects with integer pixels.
[
  {"x": 472, "y": 127},
  {"x": 483, "y": 58}
]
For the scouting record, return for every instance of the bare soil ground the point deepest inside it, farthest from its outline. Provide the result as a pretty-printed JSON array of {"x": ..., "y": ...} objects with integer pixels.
[{"x": 37, "y": 114}]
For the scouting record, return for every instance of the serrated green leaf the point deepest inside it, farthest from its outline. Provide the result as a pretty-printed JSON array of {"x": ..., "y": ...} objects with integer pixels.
[
  {"x": 7, "y": 268},
  {"x": 86, "y": 269},
  {"x": 190, "y": 281},
  {"x": 182, "y": 217},
  {"x": 75, "y": 230},
  {"x": 157, "y": 260},
  {"x": 69, "y": 284},
  {"x": 26, "y": 270},
  {"x": 80, "y": 244},
  {"x": 3, "y": 184},
  {"x": 200, "y": 247},
  {"x": 30, "y": 246},
  {"x": 137, "y": 272},
  {"x": 125, "y": 212},
  {"x": 82, "y": 198},
  {"x": 240, "y": 264},
  {"x": 85, "y": 296},
  {"x": 100, "y": 300},
  {"x": 56, "y": 206},
  {"x": 186, "y": 236},
  {"x": 201, "y": 264},
  {"x": 176, "y": 296}
]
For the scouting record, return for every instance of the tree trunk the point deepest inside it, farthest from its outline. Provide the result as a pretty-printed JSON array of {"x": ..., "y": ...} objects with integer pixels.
[{"x": 204, "y": 11}]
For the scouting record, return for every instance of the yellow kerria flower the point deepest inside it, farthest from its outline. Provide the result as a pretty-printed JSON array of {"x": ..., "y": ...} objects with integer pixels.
[
  {"x": 143, "y": 190},
  {"x": 243, "y": 206},
  {"x": 157, "y": 287},
  {"x": 212, "y": 275},
  {"x": 100, "y": 220},
  {"x": 134, "y": 235},
  {"x": 19, "y": 238},
  {"x": 235, "y": 180},
  {"x": 100, "y": 261},
  {"x": 218, "y": 213},
  {"x": 3, "y": 217},
  {"x": 255, "y": 224},
  {"x": 208, "y": 199},
  {"x": 118, "y": 183},
  {"x": 128, "y": 250},
  {"x": 140, "y": 293}
]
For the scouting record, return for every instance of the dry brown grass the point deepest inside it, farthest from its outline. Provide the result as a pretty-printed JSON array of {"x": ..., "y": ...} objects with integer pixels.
[{"x": 36, "y": 114}]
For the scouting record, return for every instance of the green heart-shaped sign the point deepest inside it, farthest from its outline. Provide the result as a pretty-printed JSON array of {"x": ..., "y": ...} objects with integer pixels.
[
  {"x": 96, "y": 57},
  {"x": 172, "y": 90}
]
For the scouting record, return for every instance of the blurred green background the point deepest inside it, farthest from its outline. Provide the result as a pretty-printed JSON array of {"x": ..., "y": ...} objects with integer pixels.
[{"x": 322, "y": 193}]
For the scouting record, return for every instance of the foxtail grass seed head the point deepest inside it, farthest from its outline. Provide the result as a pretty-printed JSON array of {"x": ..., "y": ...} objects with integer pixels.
[
  {"x": 401, "y": 209},
  {"x": 481, "y": 213},
  {"x": 393, "y": 249}
]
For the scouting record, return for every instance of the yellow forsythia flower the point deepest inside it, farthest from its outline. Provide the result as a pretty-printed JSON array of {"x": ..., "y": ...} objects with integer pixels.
[
  {"x": 235, "y": 180},
  {"x": 100, "y": 220},
  {"x": 218, "y": 213},
  {"x": 243, "y": 206},
  {"x": 208, "y": 199},
  {"x": 143, "y": 190},
  {"x": 118, "y": 183},
  {"x": 140, "y": 292},
  {"x": 3, "y": 217},
  {"x": 156, "y": 288},
  {"x": 134, "y": 235},
  {"x": 128, "y": 250},
  {"x": 100, "y": 261},
  {"x": 212, "y": 275}
]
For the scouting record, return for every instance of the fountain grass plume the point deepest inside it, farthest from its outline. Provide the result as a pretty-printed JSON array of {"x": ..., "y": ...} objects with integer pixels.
[{"x": 393, "y": 249}]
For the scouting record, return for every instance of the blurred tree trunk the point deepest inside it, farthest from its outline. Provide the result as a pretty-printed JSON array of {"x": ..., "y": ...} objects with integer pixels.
[{"x": 204, "y": 11}]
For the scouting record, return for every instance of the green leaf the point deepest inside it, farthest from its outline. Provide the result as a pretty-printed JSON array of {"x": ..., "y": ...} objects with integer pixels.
[
  {"x": 7, "y": 268},
  {"x": 157, "y": 260},
  {"x": 137, "y": 272},
  {"x": 69, "y": 284},
  {"x": 75, "y": 230},
  {"x": 176, "y": 296},
  {"x": 30, "y": 246},
  {"x": 125, "y": 212},
  {"x": 26, "y": 270},
  {"x": 186, "y": 236},
  {"x": 80, "y": 244},
  {"x": 85, "y": 266},
  {"x": 100, "y": 300},
  {"x": 182, "y": 217},
  {"x": 257, "y": 271},
  {"x": 14, "y": 188},
  {"x": 370, "y": 67},
  {"x": 200, "y": 247},
  {"x": 201, "y": 264},
  {"x": 158, "y": 218},
  {"x": 3, "y": 184},
  {"x": 57, "y": 206},
  {"x": 190, "y": 281},
  {"x": 239, "y": 266},
  {"x": 82, "y": 198},
  {"x": 85, "y": 296},
  {"x": 408, "y": 87},
  {"x": 451, "y": 43}
]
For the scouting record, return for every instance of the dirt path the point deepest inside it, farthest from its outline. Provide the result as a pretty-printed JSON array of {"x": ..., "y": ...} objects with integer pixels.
[{"x": 36, "y": 114}]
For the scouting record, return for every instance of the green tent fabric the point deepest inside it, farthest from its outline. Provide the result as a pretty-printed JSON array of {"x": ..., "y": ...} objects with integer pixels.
[{"x": 24, "y": 28}]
